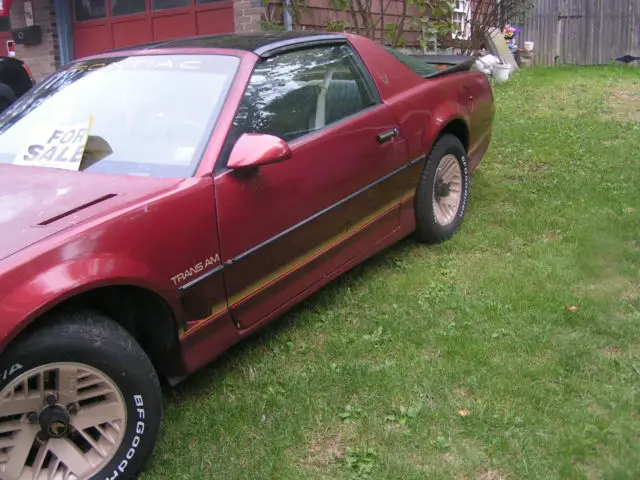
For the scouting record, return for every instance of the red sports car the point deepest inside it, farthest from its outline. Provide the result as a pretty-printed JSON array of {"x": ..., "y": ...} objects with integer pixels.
[{"x": 160, "y": 203}]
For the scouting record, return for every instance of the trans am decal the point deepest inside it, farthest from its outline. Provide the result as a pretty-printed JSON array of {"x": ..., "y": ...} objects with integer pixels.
[{"x": 194, "y": 270}]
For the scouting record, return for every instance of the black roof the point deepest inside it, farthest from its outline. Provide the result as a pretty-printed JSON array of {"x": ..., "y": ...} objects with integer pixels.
[{"x": 263, "y": 44}]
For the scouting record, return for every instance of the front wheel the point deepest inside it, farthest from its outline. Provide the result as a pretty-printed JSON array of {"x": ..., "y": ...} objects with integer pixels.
[
  {"x": 79, "y": 399},
  {"x": 441, "y": 196}
]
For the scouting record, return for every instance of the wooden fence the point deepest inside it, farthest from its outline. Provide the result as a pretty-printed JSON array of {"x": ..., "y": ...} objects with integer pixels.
[{"x": 583, "y": 32}]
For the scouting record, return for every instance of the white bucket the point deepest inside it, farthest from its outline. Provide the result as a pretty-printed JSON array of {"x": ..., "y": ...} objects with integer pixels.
[
  {"x": 528, "y": 46},
  {"x": 501, "y": 72}
]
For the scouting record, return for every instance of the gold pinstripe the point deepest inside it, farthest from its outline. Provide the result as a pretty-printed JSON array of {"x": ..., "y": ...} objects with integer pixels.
[
  {"x": 309, "y": 256},
  {"x": 217, "y": 310},
  {"x": 297, "y": 263}
]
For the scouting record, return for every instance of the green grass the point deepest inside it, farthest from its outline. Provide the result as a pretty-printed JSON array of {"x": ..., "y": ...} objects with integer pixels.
[{"x": 368, "y": 377}]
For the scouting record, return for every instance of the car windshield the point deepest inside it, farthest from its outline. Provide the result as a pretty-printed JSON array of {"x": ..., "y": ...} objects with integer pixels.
[{"x": 146, "y": 115}]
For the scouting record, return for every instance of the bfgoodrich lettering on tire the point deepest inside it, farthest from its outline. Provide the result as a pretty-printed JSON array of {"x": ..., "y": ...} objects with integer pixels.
[
  {"x": 441, "y": 196},
  {"x": 79, "y": 399}
]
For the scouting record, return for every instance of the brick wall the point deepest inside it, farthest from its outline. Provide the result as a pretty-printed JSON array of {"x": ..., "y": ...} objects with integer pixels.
[
  {"x": 248, "y": 15},
  {"x": 44, "y": 58}
]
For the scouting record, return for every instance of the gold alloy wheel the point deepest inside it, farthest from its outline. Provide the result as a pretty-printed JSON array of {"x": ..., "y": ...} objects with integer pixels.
[
  {"x": 447, "y": 190},
  {"x": 61, "y": 421}
]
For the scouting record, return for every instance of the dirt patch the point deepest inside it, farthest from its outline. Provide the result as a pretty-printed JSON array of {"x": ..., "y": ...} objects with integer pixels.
[
  {"x": 611, "y": 352},
  {"x": 490, "y": 475},
  {"x": 460, "y": 393},
  {"x": 430, "y": 354},
  {"x": 486, "y": 474},
  {"x": 624, "y": 104},
  {"x": 632, "y": 293},
  {"x": 633, "y": 245},
  {"x": 327, "y": 447},
  {"x": 591, "y": 471}
]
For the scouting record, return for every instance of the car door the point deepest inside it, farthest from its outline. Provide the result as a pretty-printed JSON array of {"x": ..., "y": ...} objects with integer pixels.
[{"x": 285, "y": 226}]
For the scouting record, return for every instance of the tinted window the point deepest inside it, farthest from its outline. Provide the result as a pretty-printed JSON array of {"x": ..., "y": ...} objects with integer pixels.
[
  {"x": 298, "y": 92},
  {"x": 420, "y": 67},
  {"x": 164, "y": 4},
  {"x": 148, "y": 115},
  {"x": 127, "y": 7},
  {"x": 90, "y": 9}
]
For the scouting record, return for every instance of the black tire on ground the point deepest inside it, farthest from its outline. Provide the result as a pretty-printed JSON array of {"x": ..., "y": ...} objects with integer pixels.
[
  {"x": 91, "y": 339},
  {"x": 428, "y": 229}
]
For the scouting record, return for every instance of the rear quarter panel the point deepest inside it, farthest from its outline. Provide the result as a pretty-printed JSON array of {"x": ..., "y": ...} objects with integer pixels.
[{"x": 424, "y": 107}]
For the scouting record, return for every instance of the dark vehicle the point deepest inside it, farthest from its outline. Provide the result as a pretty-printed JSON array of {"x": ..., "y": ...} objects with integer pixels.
[{"x": 15, "y": 80}]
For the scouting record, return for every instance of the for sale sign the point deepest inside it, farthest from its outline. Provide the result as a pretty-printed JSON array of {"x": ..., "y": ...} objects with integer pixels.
[{"x": 58, "y": 147}]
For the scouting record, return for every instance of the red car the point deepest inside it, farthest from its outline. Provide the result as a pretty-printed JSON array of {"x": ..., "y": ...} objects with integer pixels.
[{"x": 160, "y": 203}]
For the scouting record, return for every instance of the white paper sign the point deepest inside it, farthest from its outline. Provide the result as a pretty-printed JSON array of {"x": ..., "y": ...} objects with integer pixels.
[{"x": 57, "y": 147}]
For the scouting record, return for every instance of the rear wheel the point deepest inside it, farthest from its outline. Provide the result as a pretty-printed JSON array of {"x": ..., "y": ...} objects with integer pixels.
[
  {"x": 78, "y": 399},
  {"x": 441, "y": 196}
]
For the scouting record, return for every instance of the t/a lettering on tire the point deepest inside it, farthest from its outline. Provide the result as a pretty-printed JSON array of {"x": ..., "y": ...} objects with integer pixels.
[
  {"x": 77, "y": 396},
  {"x": 443, "y": 189}
]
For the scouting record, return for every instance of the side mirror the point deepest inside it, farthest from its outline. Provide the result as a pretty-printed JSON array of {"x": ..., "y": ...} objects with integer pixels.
[{"x": 257, "y": 149}]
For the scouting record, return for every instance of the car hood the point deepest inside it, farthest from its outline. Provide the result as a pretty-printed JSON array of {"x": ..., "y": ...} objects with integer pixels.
[{"x": 36, "y": 202}]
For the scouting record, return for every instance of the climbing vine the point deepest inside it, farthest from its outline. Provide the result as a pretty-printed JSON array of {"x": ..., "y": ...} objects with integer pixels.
[{"x": 398, "y": 23}]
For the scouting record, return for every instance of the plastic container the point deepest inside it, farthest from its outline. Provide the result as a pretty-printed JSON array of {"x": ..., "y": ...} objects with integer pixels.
[
  {"x": 501, "y": 72},
  {"x": 526, "y": 59},
  {"x": 528, "y": 47}
]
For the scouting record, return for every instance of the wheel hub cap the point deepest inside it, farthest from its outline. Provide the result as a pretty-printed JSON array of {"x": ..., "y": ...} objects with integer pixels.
[
  {"x": 447, "y": 190},
  {"x": 442, "y": 190},
  {"x": 61, "y": 421},
  {"x": 54, "y": 421}
]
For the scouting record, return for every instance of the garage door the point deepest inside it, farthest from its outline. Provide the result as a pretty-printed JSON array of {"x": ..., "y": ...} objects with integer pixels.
[{"x": 101, "y": 25}]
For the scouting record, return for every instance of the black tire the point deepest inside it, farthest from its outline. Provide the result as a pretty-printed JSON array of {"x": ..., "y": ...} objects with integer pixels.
[
  {"x": 428, "y": 229},
  {"x": 91, "y": 339}
]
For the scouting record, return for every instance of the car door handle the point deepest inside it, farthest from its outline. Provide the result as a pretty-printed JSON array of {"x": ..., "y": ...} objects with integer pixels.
[{"x": 388, "y": 135}]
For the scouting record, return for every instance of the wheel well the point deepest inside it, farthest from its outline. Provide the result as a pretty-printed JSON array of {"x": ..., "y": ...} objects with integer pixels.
[
  {"x": 458, "y": 128},
  {"x": 145, "y": 315}
]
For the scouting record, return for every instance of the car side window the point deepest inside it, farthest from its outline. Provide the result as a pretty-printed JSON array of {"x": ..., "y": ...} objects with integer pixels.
[{"x": 299, "y": 92}]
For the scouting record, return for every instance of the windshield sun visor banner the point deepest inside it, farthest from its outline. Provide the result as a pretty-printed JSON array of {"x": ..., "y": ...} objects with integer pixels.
[{"x": 56, "y": 147}]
